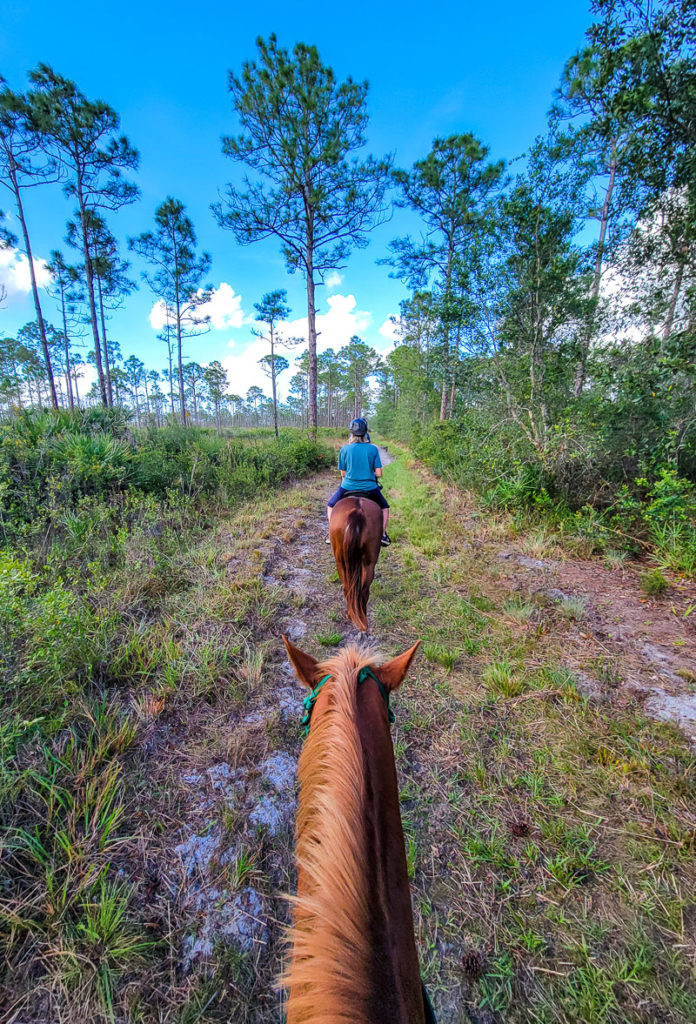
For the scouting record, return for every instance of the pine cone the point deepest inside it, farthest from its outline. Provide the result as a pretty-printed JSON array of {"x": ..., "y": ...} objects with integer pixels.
[{"x": 473, "y": 964}]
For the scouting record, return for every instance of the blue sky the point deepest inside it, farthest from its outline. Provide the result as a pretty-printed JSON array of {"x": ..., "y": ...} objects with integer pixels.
[{"x": 433, "y": 69}]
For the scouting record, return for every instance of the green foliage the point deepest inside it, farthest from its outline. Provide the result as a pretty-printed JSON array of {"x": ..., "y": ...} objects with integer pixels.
[
  {"x": 51, "y": 463},
  {"x": 83, "y": 498},
  {"x": 653, "y": 583},
  {"x": 329, "y": 639},
  {"x": 440, "y": 654},
  {"x": 577, "y": 495},
  {"x": 501, "y": 678}
]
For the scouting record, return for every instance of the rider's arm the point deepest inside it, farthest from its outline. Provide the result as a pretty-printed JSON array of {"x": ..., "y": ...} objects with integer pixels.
[
  {"x": 343, "y": 474},
  {"x": 378, "y": 471}
]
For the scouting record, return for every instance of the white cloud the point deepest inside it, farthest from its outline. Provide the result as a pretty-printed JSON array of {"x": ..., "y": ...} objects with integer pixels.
[
  {"x": 243, "y": 370},
  {"x": 390, "y": 329},
  {"x": 157, "y": 315},
  {"x": 334, "y": 328},
  {"x": 15, "y": 275},
  {"x": 87, "y": 376},
  {"x": 224, "y": 309},
  {"x": 333, "y": 280}
]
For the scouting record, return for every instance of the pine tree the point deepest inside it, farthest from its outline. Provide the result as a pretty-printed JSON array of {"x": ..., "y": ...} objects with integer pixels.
[
  {"x": 254, "y": 396},
  {"x": 299, "y": 131},
  {"x": 215, "y": 377},
  {"x": 450, "y": 189},
  {"x": 83, "y": 134},
  {"x": 272, "y": 310},
  {"x": 176, "y": 280},
  {"x": 360, "y": 362},
  {"x": 64, "y": 282},
  {"x": 24, "y": 164}
]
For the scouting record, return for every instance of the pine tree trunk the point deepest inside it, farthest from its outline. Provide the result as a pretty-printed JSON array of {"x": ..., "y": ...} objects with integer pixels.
[
  {"x": 182, "y": 397},
  {"x": 667, "y": 332},
  {"x": 107, "y": 368},
  {"x": 68, "y": 380},
  {"x": 445, "y": 336},
  {"x": 171, "y": 367},
  {"x": 273, "y": 385},
  {"x": 90, "y": 294},
  {"x": 312, "y": 331},
  {"x": 35, "y": 292}
]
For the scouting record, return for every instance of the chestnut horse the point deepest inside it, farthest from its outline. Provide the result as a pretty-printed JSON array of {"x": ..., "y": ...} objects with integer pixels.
[
  {"x": 353, "y": 952},
  {"x": 356, "y": 532}
]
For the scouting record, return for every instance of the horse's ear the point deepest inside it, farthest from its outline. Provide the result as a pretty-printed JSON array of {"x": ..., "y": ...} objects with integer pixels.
[
  {"x": 393, "y": 672},
  {"x": 304, "y": 664}
]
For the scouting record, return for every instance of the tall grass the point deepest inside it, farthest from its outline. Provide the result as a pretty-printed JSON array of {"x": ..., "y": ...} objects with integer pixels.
[
  {"x": 585, "y": 499},
  {"x": 96, "y": 525}
]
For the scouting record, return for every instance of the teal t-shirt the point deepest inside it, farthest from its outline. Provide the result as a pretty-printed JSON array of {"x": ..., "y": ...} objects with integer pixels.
[{"x": 359, "y": 462}]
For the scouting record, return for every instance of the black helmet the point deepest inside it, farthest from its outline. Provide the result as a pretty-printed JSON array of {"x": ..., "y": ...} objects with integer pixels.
[{"x": 358, "y": 427}]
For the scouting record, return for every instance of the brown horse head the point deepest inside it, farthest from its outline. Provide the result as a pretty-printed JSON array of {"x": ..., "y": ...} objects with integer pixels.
[
  {"x": 356, "y": 532},
  {"x": 353, "y": 953}
]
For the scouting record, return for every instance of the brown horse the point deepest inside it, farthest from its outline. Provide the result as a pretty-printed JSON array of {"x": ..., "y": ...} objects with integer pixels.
[
  {"x": 356, "y": 532},
  {"x": 353, "y": 958}
]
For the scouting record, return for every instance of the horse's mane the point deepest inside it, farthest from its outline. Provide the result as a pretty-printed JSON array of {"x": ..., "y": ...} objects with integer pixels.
[{"x": 331, "y": 953}]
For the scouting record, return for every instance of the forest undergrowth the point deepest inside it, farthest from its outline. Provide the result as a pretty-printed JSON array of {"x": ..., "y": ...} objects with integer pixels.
[{"x": 148, "y": 816}]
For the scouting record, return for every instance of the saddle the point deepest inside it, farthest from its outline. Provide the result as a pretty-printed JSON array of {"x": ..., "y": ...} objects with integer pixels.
[{"x": 362, "y": 494}]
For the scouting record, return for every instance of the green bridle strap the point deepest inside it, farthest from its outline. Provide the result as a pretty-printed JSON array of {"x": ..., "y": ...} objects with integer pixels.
[
  {"x": 309, "y": 702},
  {"x": 365, "y": 673}
]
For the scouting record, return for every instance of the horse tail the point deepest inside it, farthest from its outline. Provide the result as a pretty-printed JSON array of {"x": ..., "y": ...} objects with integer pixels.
[{"x": 352, "y": 564}]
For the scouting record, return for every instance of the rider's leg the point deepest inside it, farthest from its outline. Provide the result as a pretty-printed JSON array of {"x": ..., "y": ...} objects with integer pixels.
[{"x": 385, "y": 520}]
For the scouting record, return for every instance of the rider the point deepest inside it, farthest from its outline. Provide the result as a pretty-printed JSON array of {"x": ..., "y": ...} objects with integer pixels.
[{"x": 361, "y": 467}]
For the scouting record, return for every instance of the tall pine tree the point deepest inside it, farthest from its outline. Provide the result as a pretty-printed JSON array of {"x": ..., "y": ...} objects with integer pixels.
[{"x": 300, "y": 129}]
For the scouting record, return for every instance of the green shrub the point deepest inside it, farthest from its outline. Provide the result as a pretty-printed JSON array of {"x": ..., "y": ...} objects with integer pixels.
[
  {"x": 653, "y": 583},
  {"x": 581, "y": 482},
  {"x": 50, "y": 463},
  {"x": 84, "y": 497}
]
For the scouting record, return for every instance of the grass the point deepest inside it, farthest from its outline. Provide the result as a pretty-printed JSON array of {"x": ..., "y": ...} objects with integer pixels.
[
  {"x": 135, "y": 619},
  {"x": 653, "y": 583},
  {"x": 519, "y": 609},
  {"x": 500, "y": 677},
  {"x": 528, "y": 801},
  {"x": 549, "y": 842},
  {"x": 329, "y": 639},
  {"x": 440, "y": 655},
  {"x": 573, "y": 608}
]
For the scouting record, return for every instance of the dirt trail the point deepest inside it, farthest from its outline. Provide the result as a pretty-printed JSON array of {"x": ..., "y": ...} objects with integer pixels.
[
  {"x": 623, "y": 647},
  {"x": 229, "y": 769},
  {"x": 234, "y": 769}
]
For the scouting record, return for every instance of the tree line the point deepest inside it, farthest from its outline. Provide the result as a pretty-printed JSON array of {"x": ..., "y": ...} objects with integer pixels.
[
  {"x": 551, "y": 299},
  {"x": 319, "y": 201},
  {"x": 551, "y": 321}
]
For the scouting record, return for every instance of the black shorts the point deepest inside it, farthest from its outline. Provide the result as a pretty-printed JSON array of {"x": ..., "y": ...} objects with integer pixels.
[{"x": 374, "y": 495}]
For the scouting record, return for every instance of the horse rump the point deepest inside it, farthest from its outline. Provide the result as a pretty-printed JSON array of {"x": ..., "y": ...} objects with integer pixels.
[{"x": 352, "y": 566}]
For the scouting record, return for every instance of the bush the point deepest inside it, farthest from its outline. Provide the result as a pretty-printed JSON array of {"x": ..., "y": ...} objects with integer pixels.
[
  {"x": 83, "y": 497},
  {"x": 583, "y": 487},
  {"x": 50, "y": 463}
]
